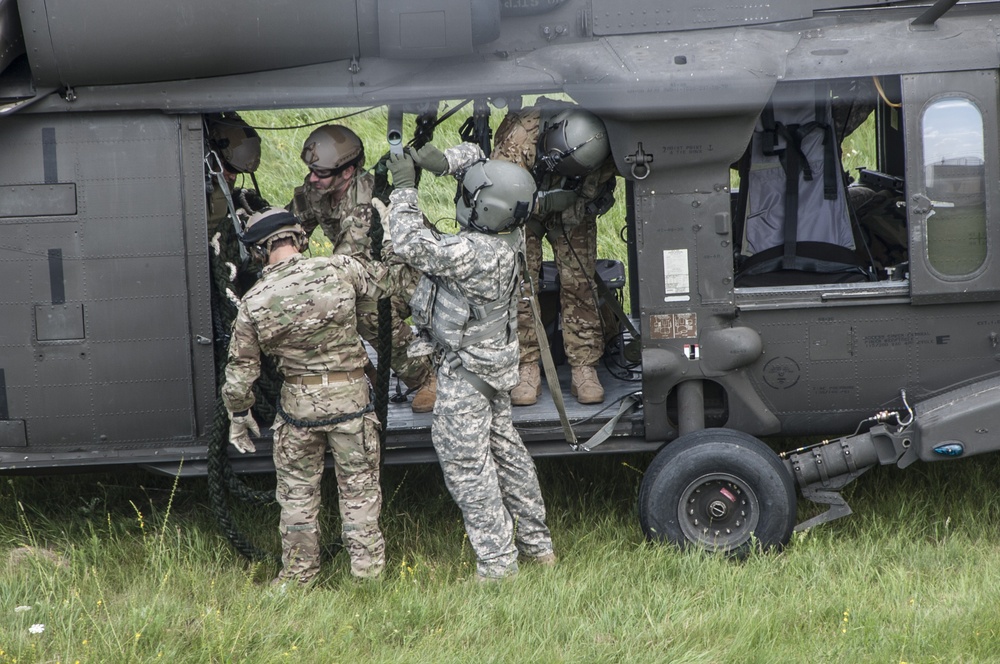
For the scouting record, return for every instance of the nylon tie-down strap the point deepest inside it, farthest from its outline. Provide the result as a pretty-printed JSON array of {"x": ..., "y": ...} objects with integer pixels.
[
  {"x": 550, "y": 367},
  {"x": 628, "y": 403}
]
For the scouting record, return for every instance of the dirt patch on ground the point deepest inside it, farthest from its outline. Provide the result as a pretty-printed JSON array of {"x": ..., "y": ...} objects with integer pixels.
[{"x": 26, "y": 555}]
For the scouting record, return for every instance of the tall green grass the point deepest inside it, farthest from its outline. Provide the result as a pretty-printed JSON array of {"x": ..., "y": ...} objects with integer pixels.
[
  {"x": 281, "y": 170},
  {"x": 137, "y": 572}
]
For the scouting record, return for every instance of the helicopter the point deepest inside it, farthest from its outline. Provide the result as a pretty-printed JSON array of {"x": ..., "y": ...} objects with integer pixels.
[{"x": 801, "y": 301}]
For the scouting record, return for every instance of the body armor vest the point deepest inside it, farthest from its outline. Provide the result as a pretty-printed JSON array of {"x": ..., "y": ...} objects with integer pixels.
[{"x": 453, "y": 322}]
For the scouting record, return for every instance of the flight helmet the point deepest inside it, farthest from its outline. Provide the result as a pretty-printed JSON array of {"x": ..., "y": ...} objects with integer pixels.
[
  {"x": 494, "y": 197},
  {"x": 332, "y": 148},
  {"x": 236, "y": 143},
  {"x": 574, "y": 143}
]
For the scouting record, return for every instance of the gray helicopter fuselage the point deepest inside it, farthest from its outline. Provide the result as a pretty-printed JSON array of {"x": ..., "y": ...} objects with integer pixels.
[{"x": 105, "y": 317}]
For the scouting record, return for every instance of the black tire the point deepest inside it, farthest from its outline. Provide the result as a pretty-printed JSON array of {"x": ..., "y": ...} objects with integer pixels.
[{"x": 719, "y": 490}]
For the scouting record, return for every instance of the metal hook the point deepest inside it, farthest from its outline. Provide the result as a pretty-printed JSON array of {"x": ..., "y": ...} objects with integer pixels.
[{"x": 640, "y": 163}]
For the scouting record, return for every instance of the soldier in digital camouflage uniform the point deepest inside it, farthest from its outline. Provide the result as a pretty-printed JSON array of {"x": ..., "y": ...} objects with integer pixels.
[
  {"x": 337, "y": 197},
  {"x": 302, "y": 312},
  {"x": 567, "y": 150},
  {"x": 473, "y": 277}
]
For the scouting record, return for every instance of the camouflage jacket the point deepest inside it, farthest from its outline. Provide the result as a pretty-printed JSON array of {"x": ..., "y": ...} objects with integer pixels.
[
  {"x": 347, "y": 222},
  {"x": 224, "y": 242},
  {"x": 517, "y": 142},
  {"x": 477, "y": 265},
  {"x": 302, "y": 313}
]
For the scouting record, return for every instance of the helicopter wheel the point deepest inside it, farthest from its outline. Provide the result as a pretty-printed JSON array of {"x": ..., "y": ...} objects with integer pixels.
[{"x": 719, "y": 490}]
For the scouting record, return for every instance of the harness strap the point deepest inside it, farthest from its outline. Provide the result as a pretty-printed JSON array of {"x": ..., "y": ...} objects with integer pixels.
[
  {"x": 628, "y": 403},
  {"x": 454, "y": 363},
  {"x": 214, "y": 165},
  {"x": 550, "y": 367},
  {"x": 790, "y": 161},
  {"x": 614, "y": 305}
]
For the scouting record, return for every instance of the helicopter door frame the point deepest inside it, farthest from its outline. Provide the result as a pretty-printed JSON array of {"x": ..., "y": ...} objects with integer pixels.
[{"x": 949, "y": 201}]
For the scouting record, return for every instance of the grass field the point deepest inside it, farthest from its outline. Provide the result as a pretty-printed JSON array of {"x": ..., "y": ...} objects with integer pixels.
[
  {"x": 130, "y": 567},
  {"x": 134, "y": 570}
]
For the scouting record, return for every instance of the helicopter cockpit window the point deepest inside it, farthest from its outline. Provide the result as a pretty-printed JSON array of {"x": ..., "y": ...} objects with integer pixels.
[{"x": 954, "y": 174}]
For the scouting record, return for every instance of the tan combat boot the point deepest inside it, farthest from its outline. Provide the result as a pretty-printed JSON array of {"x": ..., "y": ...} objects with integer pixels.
[
  {"x": 586, "y": 387},
  {"x": 545, "y": 560},
  {"x": 526, "y": 392},
  {"x": 423, "y": 400}
]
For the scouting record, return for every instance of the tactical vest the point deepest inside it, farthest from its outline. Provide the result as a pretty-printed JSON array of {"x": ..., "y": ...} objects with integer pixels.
[{"x": 442, "y": 309}]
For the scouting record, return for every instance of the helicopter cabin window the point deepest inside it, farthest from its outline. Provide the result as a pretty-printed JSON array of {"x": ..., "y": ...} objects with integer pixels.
[{"x": 954, "y": 174}]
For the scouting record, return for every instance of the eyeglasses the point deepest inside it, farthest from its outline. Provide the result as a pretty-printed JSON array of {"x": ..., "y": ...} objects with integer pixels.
[{"x": 323, "y": 173}]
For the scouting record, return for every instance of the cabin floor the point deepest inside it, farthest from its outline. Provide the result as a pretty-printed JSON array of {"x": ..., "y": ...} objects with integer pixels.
[{"x": 408, "y": 437}]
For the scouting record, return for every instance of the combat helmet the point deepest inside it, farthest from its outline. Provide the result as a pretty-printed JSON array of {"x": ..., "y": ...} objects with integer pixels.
[
  {"x": 574, "y": 143},
  {"x": 332, "y": 148},
  {"x": 271, "y": 224},
  {"x": 236, "y": 143},
  {"x": 494, "y": 197}
]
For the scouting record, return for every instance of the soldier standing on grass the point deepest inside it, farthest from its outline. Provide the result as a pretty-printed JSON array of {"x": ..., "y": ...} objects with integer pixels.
[
  {"x": 337, "y": 197},
  {"x": 302, "y": 313},
  {"x": 467, "y": 304},
  {"x": 568, "y": 152}
]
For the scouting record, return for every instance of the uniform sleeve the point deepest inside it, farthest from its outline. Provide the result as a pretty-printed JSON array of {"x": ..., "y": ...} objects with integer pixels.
[
  {"x": 593, "y": 183},
  {"x": 517, "y": 137},
  {"x": 370, "y": 279},
  {"x": 243, "y": 367},
  {"x": 354, "y": 240},
  {"x": 423, "y": 248},
  {"x": 593, "y": 186},
  {"x": 462, "y": 156},
  {"x": 298, "y": 207}
]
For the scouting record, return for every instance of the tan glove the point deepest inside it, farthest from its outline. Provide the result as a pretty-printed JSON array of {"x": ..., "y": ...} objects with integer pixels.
[
  {"x": 383, "y": 215},
  {"x": 240, "y": 426}
]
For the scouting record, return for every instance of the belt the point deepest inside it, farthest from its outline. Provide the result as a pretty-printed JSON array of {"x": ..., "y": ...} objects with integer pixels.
[{"x": 328, "y": 378}]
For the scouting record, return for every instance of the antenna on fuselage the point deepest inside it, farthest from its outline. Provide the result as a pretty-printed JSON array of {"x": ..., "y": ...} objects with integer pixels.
[{"x": 936, "y": 11}]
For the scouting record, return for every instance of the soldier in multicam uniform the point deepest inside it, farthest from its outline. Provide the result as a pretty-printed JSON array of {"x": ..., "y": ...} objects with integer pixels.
[
  {"x": 233, "y": 150},
  {"x": 568, "y": 152},
  {"x": 466, "y": 303},
  {"x": 337, "y": 197},
  {"x": 302, "y": 312}
]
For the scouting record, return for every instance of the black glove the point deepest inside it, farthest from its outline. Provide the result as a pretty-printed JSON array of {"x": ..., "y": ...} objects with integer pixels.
[
  {"x": 251, "y": 200},
  {"x": 404, "y": 176},
  {"x": 554, "y": 200},
  {"x": 430, "y": 159}
]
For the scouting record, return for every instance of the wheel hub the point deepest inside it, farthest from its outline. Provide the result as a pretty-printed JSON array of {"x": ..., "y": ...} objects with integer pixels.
[{"x": 718, "y": 512}]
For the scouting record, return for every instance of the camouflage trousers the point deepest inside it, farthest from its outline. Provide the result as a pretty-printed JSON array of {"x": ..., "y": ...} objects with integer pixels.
[
  {"x": 490, "y": 475},
  {"x": 413, "y": 371},
  {"x": 575, "y": 254},
  {"x": 299, "y": 455}
]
